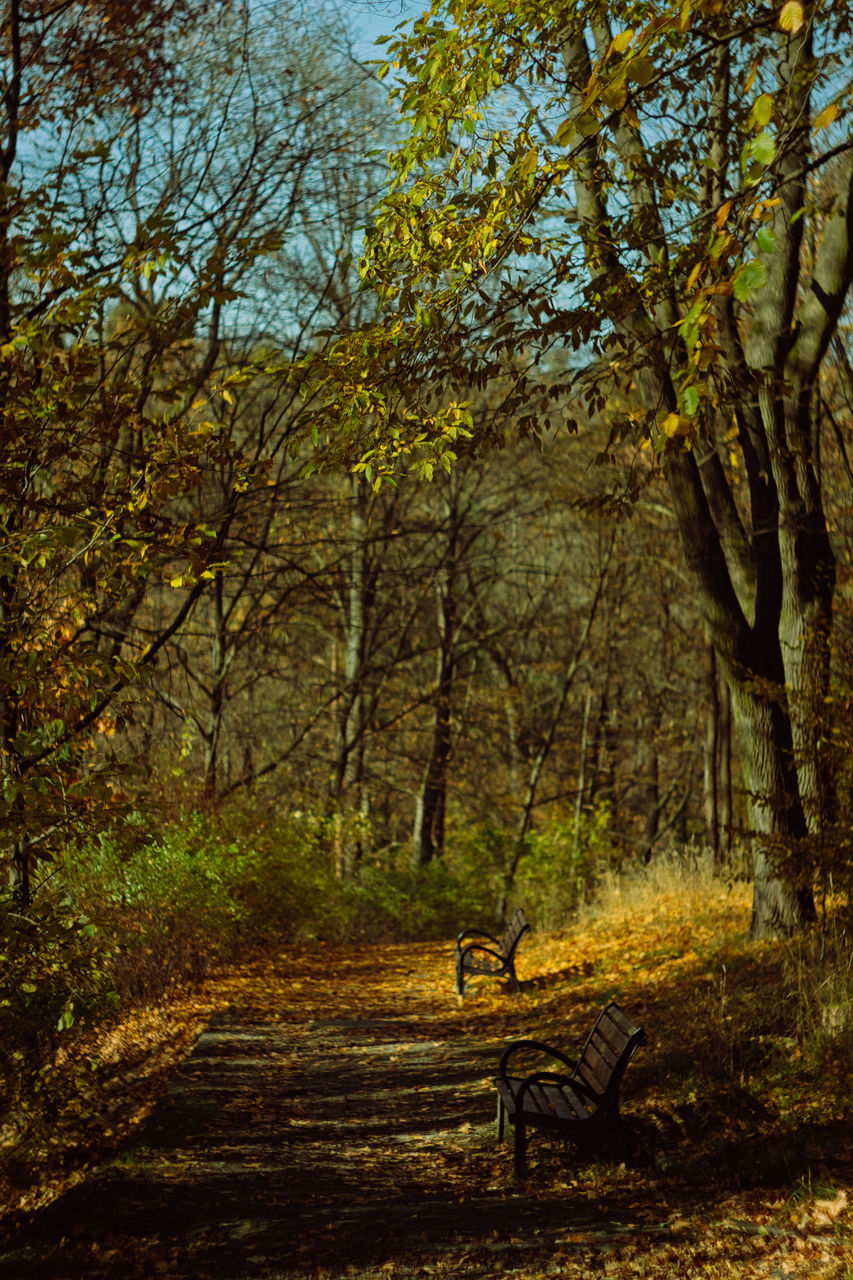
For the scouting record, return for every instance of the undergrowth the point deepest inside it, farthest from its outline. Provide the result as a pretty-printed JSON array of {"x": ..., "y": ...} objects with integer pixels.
[{"x": 132, "y": 921}]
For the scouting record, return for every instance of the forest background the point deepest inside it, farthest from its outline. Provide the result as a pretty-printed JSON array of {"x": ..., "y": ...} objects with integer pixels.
[{"x": 415, "y": 507}]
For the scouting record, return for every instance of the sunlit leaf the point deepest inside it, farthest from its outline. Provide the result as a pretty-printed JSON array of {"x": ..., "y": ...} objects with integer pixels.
[
  {"x": 762, "y": 110},
  {"x": 791, "y": 16},
  {"x": 825, "y": 118}
]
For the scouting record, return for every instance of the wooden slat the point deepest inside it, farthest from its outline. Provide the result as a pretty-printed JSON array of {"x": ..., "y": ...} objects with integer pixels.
[
  {"x": 625, "y": 1025},
  {"x": 604, "y": 1050},
  {"x": 553, "y": 1105}
]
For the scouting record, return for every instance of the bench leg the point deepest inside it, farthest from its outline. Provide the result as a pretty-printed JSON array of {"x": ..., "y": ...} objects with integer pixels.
[
  {"x": 501, "y": 1118},
  {"x": 460, "y": 977}
]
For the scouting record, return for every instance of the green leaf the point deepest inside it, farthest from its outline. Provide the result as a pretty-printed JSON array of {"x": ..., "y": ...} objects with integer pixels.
[
  {"x": 764, "y": 148},
  {"x": 751, "y": 277},
  {"x": 587, "y": 124},
  {"x": 766, "y": 240},
  {"x": 690, "y": 401}
]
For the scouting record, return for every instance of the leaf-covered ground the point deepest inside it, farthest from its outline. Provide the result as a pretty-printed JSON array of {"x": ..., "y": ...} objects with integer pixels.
[{"x": 336, "y": 1118}]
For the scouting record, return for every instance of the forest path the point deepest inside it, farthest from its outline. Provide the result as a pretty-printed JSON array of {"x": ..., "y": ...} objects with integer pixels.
[{"x": 334, "y": 1118}]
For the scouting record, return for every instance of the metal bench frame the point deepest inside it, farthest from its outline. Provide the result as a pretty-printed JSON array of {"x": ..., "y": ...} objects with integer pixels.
[
  {"x": 583, "y": 1103},
  {"x": 490, "y": 956}
]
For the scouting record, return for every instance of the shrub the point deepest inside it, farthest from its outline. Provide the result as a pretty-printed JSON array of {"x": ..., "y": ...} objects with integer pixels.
[
  {"x": 563, "y": 866},
  {"x": 408, "y": 905},
  {"x": 52, "y": 973}
]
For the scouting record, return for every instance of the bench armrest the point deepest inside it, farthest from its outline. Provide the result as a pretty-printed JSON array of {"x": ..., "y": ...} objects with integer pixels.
[
  {"x": 540, "y": 1047},
  {"x": 472, "y": 947},
  {"x": 475, "y": 933}
]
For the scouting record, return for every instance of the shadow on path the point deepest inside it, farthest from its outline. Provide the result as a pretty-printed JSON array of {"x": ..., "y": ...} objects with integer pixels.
[{"x": 295, "y": 1149}]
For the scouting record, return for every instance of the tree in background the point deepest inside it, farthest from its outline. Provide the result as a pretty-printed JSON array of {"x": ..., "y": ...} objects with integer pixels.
[
  {"x": 666, "y": 191},
  {"x": 148, "y": 188},
  {"x": 88, "y": 469}
]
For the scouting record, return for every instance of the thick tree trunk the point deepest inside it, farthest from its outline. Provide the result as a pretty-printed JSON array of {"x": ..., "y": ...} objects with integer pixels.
[
  {"x": 783, "y": 901},
  {"x": 724, "y": 782},
  {"x": 710, "y": 754}
]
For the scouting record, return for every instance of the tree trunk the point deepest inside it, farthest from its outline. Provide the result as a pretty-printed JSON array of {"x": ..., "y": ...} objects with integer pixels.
[
  {"x": 220, "y": 660},
  {"x": 431, "y": 804},
  {"x": 710, "y": 755},
  {"x": 724, "y": 783},
  {"x": 581, "y": 797},
  {"x": 602, "y": 784},
  {"x": 648, "y": 762},
  {"x": 349, "y": 781},
  {"x": 782, "y": 870}
]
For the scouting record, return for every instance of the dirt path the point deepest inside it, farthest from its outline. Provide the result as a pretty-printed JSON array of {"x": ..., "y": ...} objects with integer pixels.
[
  {"x": 351, "y": 1133},
  {"x": 335, "y": 1120}
]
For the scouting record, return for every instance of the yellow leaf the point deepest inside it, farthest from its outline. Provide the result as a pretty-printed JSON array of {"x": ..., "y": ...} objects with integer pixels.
[
  {"x": 722, "y": 214},
  {"x": 762, "y": 110},
  {"x": 825, "y": 118},
  {"x": 671, "y": 425},
  {"x": 564, "y": 133},
  {"x": 177, "y": 581},
  {"x": 620, "y": 43},
  {"x": 528, "y": 164},
  {"x": 695, "y": 274},
  {"x": 791, "y": 16},
  {"x": 227, "y": 396},
  {"x": 760, "y": 210}
]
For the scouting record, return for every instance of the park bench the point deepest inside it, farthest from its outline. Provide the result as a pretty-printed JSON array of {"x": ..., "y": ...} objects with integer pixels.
[
  {"x": 478, "y": 952},
  {"x": 583, "y": 1103}
]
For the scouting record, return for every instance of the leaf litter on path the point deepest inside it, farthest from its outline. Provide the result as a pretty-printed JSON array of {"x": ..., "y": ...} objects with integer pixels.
[{"x": 335, "y": 1119}]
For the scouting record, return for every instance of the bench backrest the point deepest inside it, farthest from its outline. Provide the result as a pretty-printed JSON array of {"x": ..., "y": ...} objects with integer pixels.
[
  {"x": 513, "y": 933},
  {"x": 609, "y": 1048}
]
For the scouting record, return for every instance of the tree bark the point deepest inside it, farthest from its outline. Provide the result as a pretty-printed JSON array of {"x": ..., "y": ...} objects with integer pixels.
[
  {"x": 710, "y": 755},
  {"x": 431, "y": 803},
  {"x": 349, "y": 782}
]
